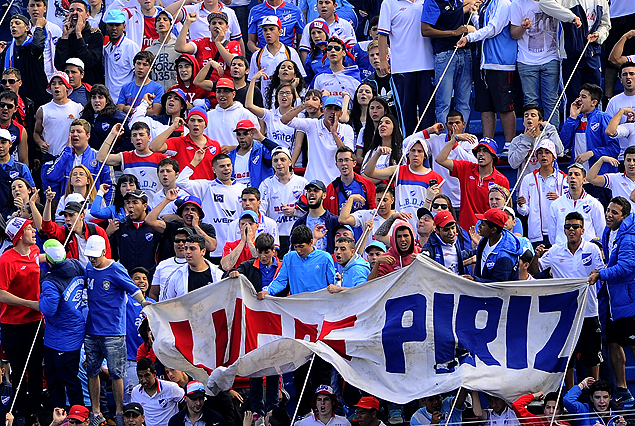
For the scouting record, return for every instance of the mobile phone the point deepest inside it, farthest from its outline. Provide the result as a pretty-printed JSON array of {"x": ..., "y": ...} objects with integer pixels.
[{"x": 433, "y": 182}]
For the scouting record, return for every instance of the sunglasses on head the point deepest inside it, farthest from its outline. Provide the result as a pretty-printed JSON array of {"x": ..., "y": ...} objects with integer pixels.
[
  {"x": 333, "y": 47},
  {"x": 4, "y": 81},
  {"x": 572, "y": 225}
]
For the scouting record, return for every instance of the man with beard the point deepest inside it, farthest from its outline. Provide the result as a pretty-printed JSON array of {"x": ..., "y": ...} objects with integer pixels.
[
  {"x": 320, "y": 221},
  {"x": 80, "y": 41},
  {"x": 626, "y": 99},
  {"x": 119, "y": 53},
  {"x": 192, "y": 214},
  {"x": 324, "y": 135},
  {"x": 195, "y": 410},
  {"x": 401, "y": 253},
  {"x": 159, "y": 398}
]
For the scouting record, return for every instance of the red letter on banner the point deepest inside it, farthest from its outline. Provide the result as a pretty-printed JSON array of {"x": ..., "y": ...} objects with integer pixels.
[
  {"x": 184, "y": 342},
  {"x": 222, "y": 335},
  {"x": 260, "y": 322},
  {"x": 338, "y": 345},
  {"x": 302, "y": 330}
]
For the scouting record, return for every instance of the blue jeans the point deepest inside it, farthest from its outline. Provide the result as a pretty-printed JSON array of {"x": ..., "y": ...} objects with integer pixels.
[
  {"x": 458, "y": 78},
  {"x": 113, "y": 348},
  {"x": 540, "y": 86}
]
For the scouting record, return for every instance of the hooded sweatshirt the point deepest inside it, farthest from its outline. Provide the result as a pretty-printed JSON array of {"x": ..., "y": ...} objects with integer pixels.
[
  {"x": 401, "y": 259},
  {"x": 192, "y": 91},
  {"x": 502, "y": 262},
  {"x": 222, "y": 122}
]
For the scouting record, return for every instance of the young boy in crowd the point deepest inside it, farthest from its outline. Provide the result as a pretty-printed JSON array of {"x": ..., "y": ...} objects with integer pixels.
[
  {"x": 598, "y": 409},
  {"x": 128, "y": 93},
  {"x": 497, "y": 413},
  {"x": 551, "y": 404}
]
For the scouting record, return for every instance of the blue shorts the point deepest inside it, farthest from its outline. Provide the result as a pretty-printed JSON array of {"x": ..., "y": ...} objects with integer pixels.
[{"x": 113, "y": 348}]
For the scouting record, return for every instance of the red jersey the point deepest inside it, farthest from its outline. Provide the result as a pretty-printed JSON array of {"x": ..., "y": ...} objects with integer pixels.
[
  {"x": 20, "y": 276},
  {"x": 149, "y": 32},
  {"x": 192, "y": 92},
  {"x": 245, "y": 255},
  {"x": 474, "y": 190},
  {"x": 206, "y": 49},
  {"x": 183, "y": 148}
]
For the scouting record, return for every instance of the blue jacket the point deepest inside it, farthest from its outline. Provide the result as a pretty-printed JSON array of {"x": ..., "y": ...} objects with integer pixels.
[
  {"x": 259, "y": 161},
  {"x": 61, "y": 169},
  {"x": 433, "y": 248},
  {"x": 8, "y": 172},
  {"x": 576, "y": 38},
  {"x": 313, "y": 273},
  {"x": 61, "y": 303},
  {"x": 498, "y": 48},
  {"x": 586, "y": 414},
  {"x": 330, "y": 221},
  {"x": 620, "y": 269},
  {"x": 355, "y": 272},
  {"x": 502, "y": 263},
  {"x": 596, "y": 138},
  {"x": 102, "y": 124}
]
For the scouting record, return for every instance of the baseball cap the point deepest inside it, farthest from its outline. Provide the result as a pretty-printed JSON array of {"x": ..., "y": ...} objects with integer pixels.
[
  {"x": 78, "y": 62},
  {"x": 423, "y": 211},
  {"x": 133, "y": 407},
  {"x": 491, "y": 146},
  {"x": 279, "y": 150},
  {"x": 115, "y": 16},
  {"x": 320, "y": 24},
  {"x": 244, "y": 125},
  {"x": 527, "y": 256},
  {"x": 250, "y": 214},
  {"x": 166, "y": 13},
  {"x": 138, "y": 194},
  {"x": 73, "y": 207},
  {"x": 64, "y": 77},
  {"x": 333, "y": 101},
  {"x": 219, "y": 15},
  {"x": 271, "y": 20},
  {"x": 5, "y": 134},
  {"x": 226, "y": 83},
  {"x": 55, "y": 252},
  {"x": 340, "y": 226},
  {"x": 368, "y": 403},
  {"x": 78, "y": 412},
  {"x": 15, "y": 228},
  {"x": 316, "y": 183},
  {"x": 191, "y": 199},
  {"x": 376, "y": 244},
  {"x": 184, "y": 230},
  {"x": 195, "y": 389},
  {"x": 496, "y": 216},
  {"x": 198, "y": 111},
  {"x": 324, "y": 390},
  {"x": 443, "y": 219},
  {"x": 21, "y": 18},
  {"x": 95, "y": 246}
]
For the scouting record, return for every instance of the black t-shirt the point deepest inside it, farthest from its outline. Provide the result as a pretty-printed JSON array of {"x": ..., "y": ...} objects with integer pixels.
[
  {"x": 241, "y": 95},
  {"x": 167, "y": 249},
  {"x": 196, "y": 280}
]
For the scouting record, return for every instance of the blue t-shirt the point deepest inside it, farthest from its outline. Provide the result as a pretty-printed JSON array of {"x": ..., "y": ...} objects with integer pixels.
[
  {"x": 291, "y": 17},
  {"x": 445, "y": 15},
  {"x": 133, "y": 321},
  {"x": 354, "y": 188},
  {"x": 129, "y": 91},
  {"x": 106, "y": 292}
]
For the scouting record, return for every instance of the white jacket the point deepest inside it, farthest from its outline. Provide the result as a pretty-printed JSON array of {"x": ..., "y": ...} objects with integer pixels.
[
  {"x": 589, "y": 207},
  {"x": 222, "y": 122},
  {"x": 538, "y": 207},
  {"x": 177, "y": 283}
]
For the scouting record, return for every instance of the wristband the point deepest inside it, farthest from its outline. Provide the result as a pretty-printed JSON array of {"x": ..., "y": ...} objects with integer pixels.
[{"x": 426, "y": 134}]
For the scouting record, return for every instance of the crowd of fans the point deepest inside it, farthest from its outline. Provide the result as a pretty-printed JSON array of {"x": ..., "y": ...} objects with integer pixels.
[{"x": 149, "y": 149}]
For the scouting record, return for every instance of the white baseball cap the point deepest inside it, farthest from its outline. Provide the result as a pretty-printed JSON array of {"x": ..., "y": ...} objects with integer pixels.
[
  {"x": 95, "y": 246},
  {"x": 5, "y": 134},
  {"x": 271, "y": 20}
]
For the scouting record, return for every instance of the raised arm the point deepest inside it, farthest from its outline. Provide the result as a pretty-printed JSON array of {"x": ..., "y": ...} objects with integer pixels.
[
  {"x": 201, "y": 81},
  {"x": 593, "y": 177},
  {"x": 182, "y": 45},
  {"x": 249, "y": 98},
  {"x": 372, "y": 171},
  {"x": 103, "y": 153},
  {"x": 615, "y": 57},
  {"x": 158, "y": 144},
  {"x": 442, "y": 159},
  {"x": 152, "y": 219},
  {"x": 345, "y": 217}
]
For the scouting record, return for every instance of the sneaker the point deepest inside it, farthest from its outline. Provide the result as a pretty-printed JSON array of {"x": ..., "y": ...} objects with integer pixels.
[
  {"x": 505, "y": 152},
  {"x": 622, "y": 398},
  {"x": 119, "y": 419},
  {"x": 395, "y": 417},
  {"x": 97, "y": 420}
]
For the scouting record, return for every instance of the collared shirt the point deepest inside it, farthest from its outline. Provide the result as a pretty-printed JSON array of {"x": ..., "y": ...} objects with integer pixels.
[
  {"x": 565, "y": 264},
  {"x": 589, "y": 207},
  {"x": 291, "y": 17},
  {"x": 183, "y": 148},
  {"x": 621, "y": 185},
  {"x": 119, "y": 64},
  {"x": 268, "y": 273},
  {"x": 160, "y": 407},
  {"x": 313, "y": 420}
]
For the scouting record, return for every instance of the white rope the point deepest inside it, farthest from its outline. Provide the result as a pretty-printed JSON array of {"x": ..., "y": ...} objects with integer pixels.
[
  {"x": 306, "y": 380},
  {"x": 6, "y": 11}
]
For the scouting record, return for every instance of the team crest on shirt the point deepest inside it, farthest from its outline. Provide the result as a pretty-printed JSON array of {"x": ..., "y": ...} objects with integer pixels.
[
  {"x": 256, "y": 159},
  {"x": 489, "y": 265},
  {"x": 163, "y": 402},
  {"x": 219, "y": 198},
  {"x": 93, "y": 163},
  {"x": 586, "y": 208},
  {"x": 297, "y": 194},
  {"x": 491, "y": 184},
  {"x": 117, "y": 55},
  {"x": 13, "y": 138},
  {"x": 212, "y": 150},
  {"x": 105, "y": 126},
  {"x": 149, "y": 236},
  {"x": 595, "y": 126},
  {"x": 413, "y": 193},
  {"x": 586, "y": 259},
  {"x": 13, "y": 174},
  {"x": 287, "y": 17},
  {"x": 142, "y": 172},
  {"x": 106, "y": 285},
  {"x": 5, "y": 400}
]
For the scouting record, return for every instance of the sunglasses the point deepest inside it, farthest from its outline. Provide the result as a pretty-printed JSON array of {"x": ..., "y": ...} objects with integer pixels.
[
  {"x": 180, "y": 240},
  {"x": 572, "y": 225},
  {"x": 4, "y": 81},
  {"x": 6, "y": 105},
  {"x": 439, "y": 206},
  {"x": 333, "y": 47}
]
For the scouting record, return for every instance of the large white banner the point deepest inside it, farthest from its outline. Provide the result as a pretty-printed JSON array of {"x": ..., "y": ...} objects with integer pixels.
[{"x": 416, "y": 332}]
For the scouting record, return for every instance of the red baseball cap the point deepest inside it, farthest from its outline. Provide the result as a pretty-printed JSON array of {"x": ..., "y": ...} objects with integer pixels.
[
  {"x": 78, "y": 412},
  {"x": 244, "y": 125},
  {"x": 495, "y": 215},
  {"x": 443, "y": 218},
  {"x": 226, "y": 83},
  {"x": 368, "y": 403}
]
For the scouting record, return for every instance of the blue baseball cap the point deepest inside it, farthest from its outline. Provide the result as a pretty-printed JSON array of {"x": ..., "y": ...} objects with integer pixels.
[
  {"x": 340, "y": 226},
  {"x": 190, "y": 199},
  {"x": 316, "y": 183},
  {"x": 491, "y": 146},
  {"x": 333, "y": 101},
  {"x": 250, "y": 214},
  {"x": 115, "y": 16},
  {"x": 376, "y": 244},
  {"x": 180, "y": 93}
]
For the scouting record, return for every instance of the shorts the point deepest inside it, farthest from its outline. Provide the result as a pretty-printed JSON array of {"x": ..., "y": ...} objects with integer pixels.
[
  {"x": 113, "y": 348},
  {"x": 619, "y": 27},
  {"x": 621, "y": 331},
  {"x": 496, "y": 93},
  {"x": 589, "y": 347}
]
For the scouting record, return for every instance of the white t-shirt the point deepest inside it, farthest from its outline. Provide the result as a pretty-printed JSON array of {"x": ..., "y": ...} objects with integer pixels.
[
  {"x": 382, "y": 162},
  {"x": 580, "y": 145},
  {"x": 400, "y": 20},
  {"x": 278, "y": 132},
  {"x": 160, "y": 407},
  {"x": 241, "y": 168},
  {"x": 361, "y": 216},
  {"x": 450, "y": 256},
  {"x": 200, "y": 27},
  {"x": 616, "y": 103},
  {"x": 620, "y": 185},
  {"x": 486, "y": 252},
  {"x": 274, "y": 194},
  {"x": 162, "y": 273},
  {"x": 539, "y": 44}
]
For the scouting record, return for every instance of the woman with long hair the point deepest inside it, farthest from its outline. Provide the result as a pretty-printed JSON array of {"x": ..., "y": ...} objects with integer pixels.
[
  {"x": 79, "y": 188},
  {"x": 388, "y": 134},
  {"x": 21, "y": 193},
  {"x": 278, "y": 132},
  {"x": 102, "y": 113},
  {"x": 125, "y": 184},
  {"x": 286, "y": 72},
  {"x": 315, "y": 62},
  {"x": 361, "y": 99},
  {"x": 377, "y": 108}
]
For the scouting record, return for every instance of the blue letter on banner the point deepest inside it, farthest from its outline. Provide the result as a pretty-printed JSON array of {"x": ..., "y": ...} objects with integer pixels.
[
  {"x": 394, "y": 334},
  {"x": 476, "y": 339}
]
